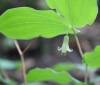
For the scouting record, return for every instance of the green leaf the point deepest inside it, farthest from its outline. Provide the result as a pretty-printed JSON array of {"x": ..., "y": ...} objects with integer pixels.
[
  {"x": 7, "y": 82},
  {"x": 95, "y": 80},
  {"x": 64, "y": 66},
  {"x": 77, "y": 13},
  {"x": 26, "y": 23},
  {"x": 37, "y": 75},
  {"x": 1, "y": 78},
  {"x": 71, "y": 66},
  {"x": 93, "y": 58},
  {"x": 34, "y": 84},
  {"x": 11, "y": 83},
  {"x": 7, "y": 64}
]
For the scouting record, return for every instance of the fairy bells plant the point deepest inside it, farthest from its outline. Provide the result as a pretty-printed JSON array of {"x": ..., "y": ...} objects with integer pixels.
[{"x": 27, "y": 23}]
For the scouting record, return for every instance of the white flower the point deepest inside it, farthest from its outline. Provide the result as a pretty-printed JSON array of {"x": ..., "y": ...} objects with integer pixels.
[{"x": 65, "y": 46}]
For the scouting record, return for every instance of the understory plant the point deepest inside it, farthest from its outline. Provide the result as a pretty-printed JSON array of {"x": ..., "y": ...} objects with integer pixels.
[{"x": 63, "y": 18}]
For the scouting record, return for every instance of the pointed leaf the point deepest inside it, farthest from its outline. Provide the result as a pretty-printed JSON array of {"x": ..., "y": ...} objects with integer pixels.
[
  {"x": 78, "y": 13},
  {"x": 26, "y": 23},
  {"x": 93, "y": 58},
  {"x": 38, "y": 74}
]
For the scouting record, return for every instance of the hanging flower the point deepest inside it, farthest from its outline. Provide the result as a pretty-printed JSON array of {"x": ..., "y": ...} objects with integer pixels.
[{"x": 65, "y": 46}]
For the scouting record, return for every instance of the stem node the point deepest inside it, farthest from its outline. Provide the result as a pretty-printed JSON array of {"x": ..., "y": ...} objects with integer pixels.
[
  {"x": 22, "y": 59},
  {"x": 81, "y": 53}
]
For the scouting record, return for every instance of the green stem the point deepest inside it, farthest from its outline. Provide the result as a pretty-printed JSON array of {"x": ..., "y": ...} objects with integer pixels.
[
  {"x": 78, "y": 44},
  {"x": 30, "y": 45},
  {"x": 86, "y": 74},
  {"x": 81, "y": 53},
  {"x": 22, "y": 59}
]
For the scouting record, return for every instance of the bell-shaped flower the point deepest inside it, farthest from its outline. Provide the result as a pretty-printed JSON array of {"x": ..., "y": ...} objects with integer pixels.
[{"x": 65, "y": 46}]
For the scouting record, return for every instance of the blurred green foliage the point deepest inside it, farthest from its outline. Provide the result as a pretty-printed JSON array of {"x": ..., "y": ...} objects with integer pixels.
[{"x": 8, "y": 64}]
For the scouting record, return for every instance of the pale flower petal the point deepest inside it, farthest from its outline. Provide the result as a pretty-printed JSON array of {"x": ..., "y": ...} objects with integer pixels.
[{"x": 65, "y": 46}]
